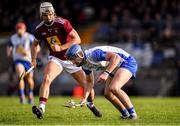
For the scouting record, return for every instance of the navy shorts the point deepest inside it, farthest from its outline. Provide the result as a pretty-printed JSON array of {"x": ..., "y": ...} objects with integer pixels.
[{"x": 26, "y": 64}]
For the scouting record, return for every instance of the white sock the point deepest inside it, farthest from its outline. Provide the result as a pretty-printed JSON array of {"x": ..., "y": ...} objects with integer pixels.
[{"x": 42, "y": 106}]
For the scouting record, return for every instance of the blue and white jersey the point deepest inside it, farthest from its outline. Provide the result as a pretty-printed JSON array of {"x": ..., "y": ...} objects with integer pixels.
[
  {"x": 18, "y": 43},
  {"x": 95, "y": 59}
]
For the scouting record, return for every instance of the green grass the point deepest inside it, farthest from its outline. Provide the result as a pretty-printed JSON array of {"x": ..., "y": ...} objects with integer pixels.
[{"x": 151, "y": 111}]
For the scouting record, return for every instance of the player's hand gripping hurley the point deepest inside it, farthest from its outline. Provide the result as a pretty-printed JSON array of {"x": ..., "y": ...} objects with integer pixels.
[{"x": 25, "y": 73}]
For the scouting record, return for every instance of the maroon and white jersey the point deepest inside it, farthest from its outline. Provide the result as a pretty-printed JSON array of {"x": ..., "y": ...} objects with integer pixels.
[{"x": 55, "y": 33}]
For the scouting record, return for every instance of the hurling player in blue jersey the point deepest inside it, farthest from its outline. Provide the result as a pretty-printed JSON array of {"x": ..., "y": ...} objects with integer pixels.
[
  {"x": 19, "y": 48},
  {"x": 118, "y": 68}
]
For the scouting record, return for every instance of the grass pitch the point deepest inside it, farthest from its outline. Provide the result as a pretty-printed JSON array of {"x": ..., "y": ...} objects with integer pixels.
[{"x": 151, "y": 111}]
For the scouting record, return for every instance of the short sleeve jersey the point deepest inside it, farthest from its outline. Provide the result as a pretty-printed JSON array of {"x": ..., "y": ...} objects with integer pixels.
[
  {"x": 96, "y": 57},
  {"x": 17, "y": 43},
  {"x": 55, "y": 33}
]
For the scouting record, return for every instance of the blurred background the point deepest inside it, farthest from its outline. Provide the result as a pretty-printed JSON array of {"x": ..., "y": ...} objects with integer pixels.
[{"x": 147, "y": 29}]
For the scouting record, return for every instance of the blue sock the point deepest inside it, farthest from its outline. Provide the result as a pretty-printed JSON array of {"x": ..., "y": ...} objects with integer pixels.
[
  {"x": 22, "y": 96},
  {"x": 131, "y": 110},
  {"x": 125, "y": 112},
  {"x": 21, "y": 91},
  {"x": 31, "y": 100},
  {"x": 30, "y": 91}
]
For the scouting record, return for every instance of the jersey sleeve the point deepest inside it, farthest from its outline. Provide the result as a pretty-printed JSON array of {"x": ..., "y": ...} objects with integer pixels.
[
  {"x": 99, "y": 55},
  {"x": 31, "y": 38},
  {"x": 37, "y": 35},
  {"x": 67, "y": 26}
]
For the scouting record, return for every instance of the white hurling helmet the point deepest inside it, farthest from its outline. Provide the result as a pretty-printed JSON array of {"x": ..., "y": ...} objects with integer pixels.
[{"x": 46, "y": 7}]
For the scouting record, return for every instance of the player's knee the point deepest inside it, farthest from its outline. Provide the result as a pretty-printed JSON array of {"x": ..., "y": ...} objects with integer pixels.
[
  {"x": 107, "y": 94},
  {"x": 47, "y": 80},
  {"x": 30, "y": 79},
  {"x": 114, "y": 89}
]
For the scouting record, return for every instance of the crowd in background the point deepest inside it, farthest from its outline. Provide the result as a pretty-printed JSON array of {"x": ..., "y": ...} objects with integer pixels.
[
  {"x": 148, "y": 29},
  {"x": 144, "y": 25}
]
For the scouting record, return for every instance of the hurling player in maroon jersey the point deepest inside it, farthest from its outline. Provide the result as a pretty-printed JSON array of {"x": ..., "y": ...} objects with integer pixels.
[{"x": 58, "y": 34}]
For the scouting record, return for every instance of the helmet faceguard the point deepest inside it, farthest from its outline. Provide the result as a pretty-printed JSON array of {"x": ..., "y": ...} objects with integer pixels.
[
  {"x": 75, "y": 54},
  {"x": 72, "y": 52}
]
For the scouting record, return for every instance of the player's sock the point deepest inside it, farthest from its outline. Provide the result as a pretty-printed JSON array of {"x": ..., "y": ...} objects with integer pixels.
[
  {"x": 31, "y": 96},
  {"x": 93, "y": 108},
  {"x": 89, "y": 99},
  {"x": 131, "y": 110},
  {"x": 125, "y": 114},
  {"x": 132, "y": 113},
  {"x": 21, "y": 91},
  {"x": 42, "y": 104},
  {"x": 22, "y": 96},
  {"x": 91, "y": 104}
]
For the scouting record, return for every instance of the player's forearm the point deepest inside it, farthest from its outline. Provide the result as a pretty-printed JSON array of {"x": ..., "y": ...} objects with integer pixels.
[
  {"x": 34, "y": 51},
  {"x": 9, "y": 52},
  {"x": 71, "y": 42},
  {"x": 73, "y": 38},
  {"x": 113, "y": 63}
]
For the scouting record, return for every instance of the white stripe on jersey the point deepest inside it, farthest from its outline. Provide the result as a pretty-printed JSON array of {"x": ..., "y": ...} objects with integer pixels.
[
  {"x": 110, "y": 49},
  {"x": 59, "y": 20},
  {"x": 56, "y": 19},
  {"x": 40, "y": 24}
]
